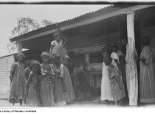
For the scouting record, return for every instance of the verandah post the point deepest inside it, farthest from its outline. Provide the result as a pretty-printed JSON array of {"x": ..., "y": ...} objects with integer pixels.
[{"x": 131, "y": 68}]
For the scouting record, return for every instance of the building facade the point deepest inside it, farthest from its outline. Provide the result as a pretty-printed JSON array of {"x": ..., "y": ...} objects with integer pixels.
[{"x": 5, "y": 65}]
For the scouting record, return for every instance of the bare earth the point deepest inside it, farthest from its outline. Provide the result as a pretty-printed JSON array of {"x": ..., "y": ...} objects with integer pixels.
[{"x": 5, "y": 103}]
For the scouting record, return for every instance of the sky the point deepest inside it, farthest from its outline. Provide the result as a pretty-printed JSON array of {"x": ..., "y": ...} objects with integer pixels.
[{"x": 55, "y": 13}]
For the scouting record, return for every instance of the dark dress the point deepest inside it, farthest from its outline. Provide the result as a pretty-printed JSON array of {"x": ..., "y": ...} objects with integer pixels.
[
  {"x": 121, "y": 66},
  {"x": 33, "y": 91},
  {"x": 81, "y": 83},
  {"x": 46, "y": 85},
  {"x": 117, "y": 86},
  {"x": 18, "y": 80}
]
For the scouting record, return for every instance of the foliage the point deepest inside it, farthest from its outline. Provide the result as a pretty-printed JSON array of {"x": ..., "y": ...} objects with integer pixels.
[
  {"x": 11, "y": 47},
  {"x": 46, "y": 22},
  {"x": 24, "y": 25}
]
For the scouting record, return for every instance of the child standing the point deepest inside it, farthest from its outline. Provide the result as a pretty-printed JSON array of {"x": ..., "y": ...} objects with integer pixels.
[
  {"x": 33, "y": 85},
  {"x": 47, "y": 81},
  {"x": 17, "y": 78},
  {"x": 106, "y": 94},
  {"x": 59, "y": 88},
  {"x": 57, "y": 47}
]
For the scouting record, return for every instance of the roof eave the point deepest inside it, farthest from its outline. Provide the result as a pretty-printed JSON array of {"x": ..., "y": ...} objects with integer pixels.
[{"x": 51, "y": 29}]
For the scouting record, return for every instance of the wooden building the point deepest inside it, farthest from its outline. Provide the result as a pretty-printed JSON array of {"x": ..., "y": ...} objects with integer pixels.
[
  {"x": 87, "y": 34},
  {"x": 5, "y": 62}
]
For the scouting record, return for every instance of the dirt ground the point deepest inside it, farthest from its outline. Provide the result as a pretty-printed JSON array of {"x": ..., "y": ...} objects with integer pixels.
[
  {"x": 5, "y": 103},
  {"x": 92, "y": 103}
]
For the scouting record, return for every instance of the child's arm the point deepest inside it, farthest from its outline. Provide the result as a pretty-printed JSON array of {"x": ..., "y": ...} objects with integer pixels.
[
  {"x": 28, "y": 82},
  {"x": 51, "y": 48},
  {"x": 12, "y": 71},
  {"x": 27, "y": 72}
]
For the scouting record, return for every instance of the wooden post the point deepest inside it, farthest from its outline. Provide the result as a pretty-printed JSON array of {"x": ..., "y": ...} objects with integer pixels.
[
  {"x": 19, "y": 46},
  {"x": 138, "y": 36},
  {"x": 130, "y": 25},
  {"x": 131, "y": 66}
]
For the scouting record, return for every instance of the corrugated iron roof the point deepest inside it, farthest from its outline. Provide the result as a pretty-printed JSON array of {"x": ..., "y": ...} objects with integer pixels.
[{"x": 73, "y": 21}]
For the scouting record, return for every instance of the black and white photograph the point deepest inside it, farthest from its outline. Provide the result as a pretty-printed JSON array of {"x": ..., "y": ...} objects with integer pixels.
[{"x": 77, "y": 54}]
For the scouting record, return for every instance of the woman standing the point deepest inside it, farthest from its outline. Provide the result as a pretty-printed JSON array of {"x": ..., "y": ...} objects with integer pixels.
[
  {"x": 117, "y": 86},
  {"x": 59, "y": 86},
  {"x": 106, "y": 94},
  {"x": 47, "y": 81},
  {"x": 121, "y": 53},
  {"x": 33, "y": 85},
  {"x": 70, "y": 96},
  {"x": 147, "y": 78},
  {"x": 17, "y": 78}
]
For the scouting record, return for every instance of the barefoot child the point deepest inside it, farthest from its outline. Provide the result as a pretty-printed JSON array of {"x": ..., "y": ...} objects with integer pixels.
[
  {"x": 33, "y": 85},
  {"x": 47, "y": 81},
  {"x": 17, "y": 78}
]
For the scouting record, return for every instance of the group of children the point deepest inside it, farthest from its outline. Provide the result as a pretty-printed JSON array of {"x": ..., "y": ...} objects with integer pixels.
[
  {"x": 45, "y": 84},
  {"x": 42, "y": 84}
]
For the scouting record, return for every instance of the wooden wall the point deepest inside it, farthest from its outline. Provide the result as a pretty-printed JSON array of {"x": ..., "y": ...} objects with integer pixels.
[{"x": 5, "y": 64}]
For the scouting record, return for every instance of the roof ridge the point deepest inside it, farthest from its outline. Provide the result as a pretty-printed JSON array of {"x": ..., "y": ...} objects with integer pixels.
[
  {"x": 78, "y": 19},
  {"x": 84, "y": 16}
]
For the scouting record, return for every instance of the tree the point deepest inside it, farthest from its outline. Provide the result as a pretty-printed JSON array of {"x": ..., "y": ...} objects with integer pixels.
[
  {"x": 11, "y": 47},
  {"x": 46, "y": 22},
  {"x": 24, "y": 25}
]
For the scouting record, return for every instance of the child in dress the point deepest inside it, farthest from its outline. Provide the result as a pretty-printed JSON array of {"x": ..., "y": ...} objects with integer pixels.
[
  {"x": 33, "y": 85},
  {"x": 17, "y": 79},
  {"x": 117, "y": 86},
  {"x": 59, "y": 87},
  {"x": 47, "y": 81},
  {"x": 56, "y": 44},
  {"x": 57, "y": 47}
]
